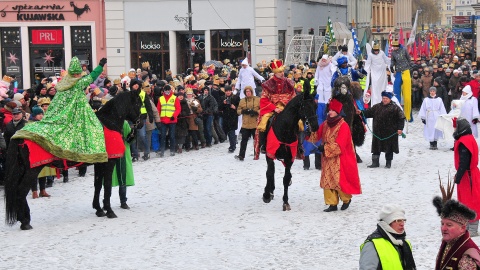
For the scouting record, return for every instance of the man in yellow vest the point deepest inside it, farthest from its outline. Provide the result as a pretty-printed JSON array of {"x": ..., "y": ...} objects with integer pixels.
[
  {"x": 169, "y": 108},
  {"x": 387, "y": 247}
]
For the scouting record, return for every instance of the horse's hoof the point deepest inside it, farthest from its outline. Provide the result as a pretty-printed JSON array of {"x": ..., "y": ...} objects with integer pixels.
[
  {"x": 100, "y": 213},
  {"x": 268, "y": 198},
  {"x": 26, "y": 227},
  {"x": 286, "y": 207},
  {"x": 111, "y": 215}
]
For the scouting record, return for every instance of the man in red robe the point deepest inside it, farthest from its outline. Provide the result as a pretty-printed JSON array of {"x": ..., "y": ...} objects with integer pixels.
[
  {"x": 276, "y": 93},
  {"x": 468, "y": 174},
  {"x": 340, "y": 177}
]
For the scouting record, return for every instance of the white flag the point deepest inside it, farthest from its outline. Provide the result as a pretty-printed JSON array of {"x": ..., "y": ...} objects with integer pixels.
[{"x": 413, "y": 33}]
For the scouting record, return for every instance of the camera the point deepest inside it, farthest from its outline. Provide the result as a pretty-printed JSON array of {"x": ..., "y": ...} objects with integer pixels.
[{"x": 228, "y": 100}]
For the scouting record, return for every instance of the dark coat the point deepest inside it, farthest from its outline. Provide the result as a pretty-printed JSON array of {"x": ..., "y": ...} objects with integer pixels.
[
  {"x": 230, "y": 116},
  {"x": 209, "y": 104},
  {"x": 387, "y": 120},
  {"x": 10, "y": 130},
  {"x": 181, "y": 128}
]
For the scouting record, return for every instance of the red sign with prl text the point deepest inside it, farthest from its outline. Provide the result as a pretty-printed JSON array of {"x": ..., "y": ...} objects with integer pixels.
[{"x": 47, "y": 36}]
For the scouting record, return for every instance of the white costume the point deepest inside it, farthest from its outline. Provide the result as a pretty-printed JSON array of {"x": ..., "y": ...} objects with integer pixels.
[
  {"x": 431, "y": 109},
  {"x": 376, "y": 67},
  {"x": 351, "y": 60},
  {"x": 246, "y": 77},
  {"x": 323, "y": 79},
  {"x": 445, "y": 123},
  {"x": 469, "y": 109}
]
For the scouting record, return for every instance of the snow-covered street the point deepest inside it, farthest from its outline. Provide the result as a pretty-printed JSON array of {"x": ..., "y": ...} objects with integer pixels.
[{"x": 203, "y": 210}]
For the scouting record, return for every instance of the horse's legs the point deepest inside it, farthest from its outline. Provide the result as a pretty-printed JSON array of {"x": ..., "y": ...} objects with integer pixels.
[
  {"x": 98, "y": 179},
  {"x": 270, "y": 187},
  {"x": 287, "y": 180},
  {"x": 107, "y": 187},
  {"x": 23, "y": 214}
]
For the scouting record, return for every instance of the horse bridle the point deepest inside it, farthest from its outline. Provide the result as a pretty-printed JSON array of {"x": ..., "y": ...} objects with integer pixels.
[{"x": 309, "y": 117}]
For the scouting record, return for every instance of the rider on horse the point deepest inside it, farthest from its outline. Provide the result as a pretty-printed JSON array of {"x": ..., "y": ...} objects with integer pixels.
[
  {"x": 70, "y": 130},
  {"x": 277, "y": 92}
]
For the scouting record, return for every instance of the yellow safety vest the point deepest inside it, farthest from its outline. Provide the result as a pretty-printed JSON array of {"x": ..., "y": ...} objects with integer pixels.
[
  {"x": 363, "y": 82},
  {"x": 388, "y": 255},
  {"x": 167, "y": 108},
  {"x": 143, "y": 110}
]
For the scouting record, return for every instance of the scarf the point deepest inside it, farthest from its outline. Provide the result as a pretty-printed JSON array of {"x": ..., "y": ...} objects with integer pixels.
[
  {"x": 333, "y": 121},
  {"x": 398, "y": 240},
  {"x": 462, "y": 97},
  {"x": 15, "y": 123}
]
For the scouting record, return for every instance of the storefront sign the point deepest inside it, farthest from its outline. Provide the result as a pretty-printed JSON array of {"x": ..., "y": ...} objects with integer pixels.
[
  {"x": 150, "y": 46},
  {"x": 47, "y": 36},
  {"x": 53, "y": 12},
  {"x": 230, "y": 43}
]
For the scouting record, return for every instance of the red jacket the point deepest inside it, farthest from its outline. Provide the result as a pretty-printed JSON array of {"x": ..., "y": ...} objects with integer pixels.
[
  {"x": 178, "y": 108},
  {"x": 475, "y": 85}
]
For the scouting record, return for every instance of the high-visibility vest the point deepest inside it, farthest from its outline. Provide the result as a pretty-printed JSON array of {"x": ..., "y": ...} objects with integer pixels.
[
  {"x": 363, "y": 82},
  {"x": 143, "y": 110},
  {"x": 388, "y": 255},
  {"x": 167, "y": 107}
]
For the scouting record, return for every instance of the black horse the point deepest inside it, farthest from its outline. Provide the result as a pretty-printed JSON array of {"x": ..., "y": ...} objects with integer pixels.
[
  {"x": 285, "y": 128},
  {"x": 19, "y": 175}
]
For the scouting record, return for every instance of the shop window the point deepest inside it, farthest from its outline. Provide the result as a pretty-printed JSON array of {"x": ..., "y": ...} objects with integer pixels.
[
  {"x": 82, "y": 44},
  {"x": 281, "y": 44},
  {"x": 152, "y": 47},
  {"x": 229, "y": 44},
  {"x": 12, "y": 53}
]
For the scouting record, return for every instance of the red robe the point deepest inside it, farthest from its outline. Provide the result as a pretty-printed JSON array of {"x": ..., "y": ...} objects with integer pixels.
[
  {"x": 275, "y": 90},
  {"x": 475, "y": 85},
  {"x": 468, "y": 191},
  {"x": 339, "y": 163}
]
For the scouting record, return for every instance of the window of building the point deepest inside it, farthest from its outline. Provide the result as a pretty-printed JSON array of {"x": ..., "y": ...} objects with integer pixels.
[
  {"x": 152, "y": 47},
  {"x": 460, "y": 13},
  {"x": 82, "y": 44},
  {"x": 229, "y": 44},
  {"x": 449, "y": 6},
  {"x": 47, "y": 52},
  {"x": 11, "y": 53},
  {"x": 469, "y": 13},
  {"x": 449, "y": 20},
  {"x": 281, "y": 44}
]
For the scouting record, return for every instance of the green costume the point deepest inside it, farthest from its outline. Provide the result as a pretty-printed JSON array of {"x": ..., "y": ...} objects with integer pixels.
[
  {"x": 69, "y": 129},
  {"x": 123, "y": 171}
]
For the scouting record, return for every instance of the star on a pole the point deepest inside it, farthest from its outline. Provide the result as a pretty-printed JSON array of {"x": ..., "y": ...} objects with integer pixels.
[
  {"x": 48, "y": 58},
  {"x": 12, "y": 58}
]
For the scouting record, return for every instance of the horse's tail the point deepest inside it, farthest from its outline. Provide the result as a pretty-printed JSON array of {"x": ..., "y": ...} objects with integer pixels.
[{"x": 13, "y": 176}]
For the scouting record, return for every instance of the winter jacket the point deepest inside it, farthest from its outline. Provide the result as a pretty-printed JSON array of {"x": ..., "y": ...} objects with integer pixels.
[
  {"x": 156, "y": 117},
  {"x": 168, "y": 120},
  {"x": 427, "y": 82},
  {"x": 249, "y": 118},
  {"x": 209, "y": 104},
  {"x": 11, "y": 128},
  {"x": 230, "y": 116},
  {"x": 195, "y": 112}
]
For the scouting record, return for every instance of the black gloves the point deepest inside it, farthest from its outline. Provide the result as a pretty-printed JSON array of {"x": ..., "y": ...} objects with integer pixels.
[
  {"x": 244, "y": 111},
  {"x": 159, "y": 125},
  {"x": 249, "y": 112},
  {"x": 424, "y": 122},
  {"x": 172, "y": 118},
  {"x": 103, "y": 61},
  {"x": 321, "y": 147},
  {"x": 130, "y": 136},
  {"x": 475, "y": 121}
]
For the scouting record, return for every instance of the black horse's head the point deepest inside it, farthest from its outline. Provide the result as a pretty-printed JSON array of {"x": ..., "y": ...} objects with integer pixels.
[
  {"x": 124, "y": 106},
  {"x": 308, "y": 111}
]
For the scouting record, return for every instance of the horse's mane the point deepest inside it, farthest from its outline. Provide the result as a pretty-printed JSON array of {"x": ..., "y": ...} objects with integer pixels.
[{"x": 113, "y": 113}]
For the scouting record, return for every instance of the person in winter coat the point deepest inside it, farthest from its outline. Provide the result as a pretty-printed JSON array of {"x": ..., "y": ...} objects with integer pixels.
[
  {"x": 229, "y": 106},
  {"x": 150, "y": 124},
  {"x": 442, "y": 92},
  {"x": 249, "y": 108},
  {"x": 17, "y": 123},
  {"x": 122, "y": 175},
  {"x": 416, "y": 90},
  {"x": 388, "y": 123},
  {"x": 181, "y": 129},
  {"x": 467, "y": 177},
  {"x": 432, "y": 108},
  {"x": 340, "y": 178},
  {"x": 194, "y": 121},
  {"x": 457, "y": 91},
  {"x": 169, "y": 109},
  {"x": 427, "y": 82},
  {"x": 469, "y": 109},
  {"x": 210, "y": 107},
  {"x": 387, "y": 247}
]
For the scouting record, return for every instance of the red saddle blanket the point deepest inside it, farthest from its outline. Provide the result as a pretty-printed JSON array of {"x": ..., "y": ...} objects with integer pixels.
[
  {"x": 113, "y": 143},
  {"x": 273, "y": 144}
]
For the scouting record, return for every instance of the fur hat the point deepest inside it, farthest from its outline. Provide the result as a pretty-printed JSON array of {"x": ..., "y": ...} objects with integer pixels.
[
  {"x": 248, "y": 87},
  {"x": 335, "y": 105},
  {"x": 453, "y": 210},
  {"x": 391, "y": 212},
  {"x": 10, "y": 106}
]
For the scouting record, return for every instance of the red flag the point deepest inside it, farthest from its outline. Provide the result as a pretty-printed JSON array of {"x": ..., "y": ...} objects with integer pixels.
[
  {"x": 452, "y": 46},
  {"x": 400, "y": 37}
]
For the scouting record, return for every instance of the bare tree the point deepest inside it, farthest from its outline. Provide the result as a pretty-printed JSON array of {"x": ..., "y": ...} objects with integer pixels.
[{"x": 430, "y": 11}]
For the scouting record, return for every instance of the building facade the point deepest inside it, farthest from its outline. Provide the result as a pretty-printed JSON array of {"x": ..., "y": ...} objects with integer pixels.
[
  {"x": 222, "y": 29},
  {"x": 447, "y": 10},
  {"x": 38, "y": 39},
  {"x": 464, "y": 7}
]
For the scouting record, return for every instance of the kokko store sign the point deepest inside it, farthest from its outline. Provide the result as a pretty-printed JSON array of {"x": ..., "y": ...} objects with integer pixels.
[{"x": 50, "y": 12}]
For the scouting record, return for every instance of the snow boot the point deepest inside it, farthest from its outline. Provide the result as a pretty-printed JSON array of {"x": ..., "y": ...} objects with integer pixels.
[
  {"x": 431, "y": 146},
  {"x": 388, "y": 164},
  {"x": 375, "y": 161},
  {"x": 435, "y": 145},
  {"x": 331, "y": 208}
]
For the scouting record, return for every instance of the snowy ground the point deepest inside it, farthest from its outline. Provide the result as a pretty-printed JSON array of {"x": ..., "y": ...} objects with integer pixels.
[{"x": 203, "y": 210}]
